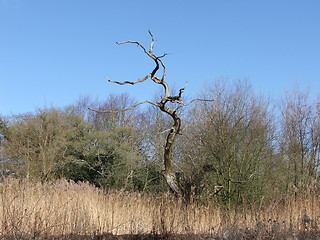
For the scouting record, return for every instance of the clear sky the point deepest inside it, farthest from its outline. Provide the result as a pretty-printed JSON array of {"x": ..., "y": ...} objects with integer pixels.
[{"x": 54, "y": 51}]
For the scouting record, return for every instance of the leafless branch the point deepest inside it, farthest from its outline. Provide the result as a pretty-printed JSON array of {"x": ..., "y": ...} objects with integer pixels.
[
  {"x": 163, "y": 55},
  {"x": 165, "y": 131},
  {"x": 128, "y": 82},
  {"x": 192, "y": 101},
  {"x": 152, "y": 42},
  {"x": 124, "y": 109},
  {"x": 137, "y": 43},
  {"x": 164, "y": 69},
  {"x": 157, "y": 59}
]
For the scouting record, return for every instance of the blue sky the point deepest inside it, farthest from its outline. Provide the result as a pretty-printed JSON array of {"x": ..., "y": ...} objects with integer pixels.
[{"x": 54, "y": 51}]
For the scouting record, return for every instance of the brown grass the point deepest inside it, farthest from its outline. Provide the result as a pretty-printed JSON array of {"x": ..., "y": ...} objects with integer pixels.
[{"x": 64, "y": 210}]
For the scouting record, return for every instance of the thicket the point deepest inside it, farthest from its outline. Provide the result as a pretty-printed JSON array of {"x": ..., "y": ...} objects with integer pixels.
[{"x": 240, "y": 149}]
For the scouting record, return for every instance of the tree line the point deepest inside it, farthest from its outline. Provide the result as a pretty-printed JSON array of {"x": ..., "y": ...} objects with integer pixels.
[{"x": 239, "y": 148}]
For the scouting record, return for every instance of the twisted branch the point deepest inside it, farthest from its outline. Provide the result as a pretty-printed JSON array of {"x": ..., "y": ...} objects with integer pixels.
[
  {"x": 158, "y": 61},
  {"x": 128, "y": 82}
]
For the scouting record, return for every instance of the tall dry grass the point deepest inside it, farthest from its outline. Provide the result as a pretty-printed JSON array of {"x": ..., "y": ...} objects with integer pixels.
[{"x": 36, "y": 211}]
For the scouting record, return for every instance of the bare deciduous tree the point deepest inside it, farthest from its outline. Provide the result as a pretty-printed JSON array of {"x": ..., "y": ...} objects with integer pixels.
[
  {"x": 227, "y": 145},
  {"x": 162, "y": 104},
  {"x": 300, "y": 138}
]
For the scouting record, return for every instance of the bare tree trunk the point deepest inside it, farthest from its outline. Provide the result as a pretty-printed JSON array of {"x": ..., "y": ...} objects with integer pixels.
[{"x": 168, "y": 172}]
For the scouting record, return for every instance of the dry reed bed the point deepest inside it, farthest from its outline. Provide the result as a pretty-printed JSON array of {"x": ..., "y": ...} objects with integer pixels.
[{"x": 66, "y": 208}]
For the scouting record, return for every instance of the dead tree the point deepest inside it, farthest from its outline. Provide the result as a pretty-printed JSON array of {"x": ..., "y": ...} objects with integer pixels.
[{"x": 168, "y": 171}]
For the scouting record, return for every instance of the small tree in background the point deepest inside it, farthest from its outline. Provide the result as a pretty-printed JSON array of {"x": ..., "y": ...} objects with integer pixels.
[
  {"x": 300, "y": 139},
  {"x": 35, "y": 143},
  {"x": 228, "y": 144}
]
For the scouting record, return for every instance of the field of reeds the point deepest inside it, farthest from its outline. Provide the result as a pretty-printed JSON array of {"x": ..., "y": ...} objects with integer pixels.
[{"x": 67, "y": 210}]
